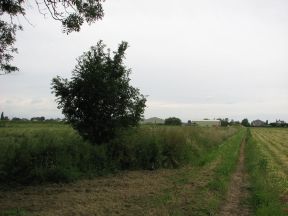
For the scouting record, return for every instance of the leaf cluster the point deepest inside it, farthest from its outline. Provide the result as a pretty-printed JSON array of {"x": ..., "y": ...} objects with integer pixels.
[
  {"x": 98, "y": 101},
  {"x": 245, "y": 122},
  {"x": 71, "y": 13},
  {"x": 173, "y": 121}
]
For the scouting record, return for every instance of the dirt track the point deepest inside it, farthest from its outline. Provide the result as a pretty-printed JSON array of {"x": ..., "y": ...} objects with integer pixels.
[{"x": 236, "y": 200}]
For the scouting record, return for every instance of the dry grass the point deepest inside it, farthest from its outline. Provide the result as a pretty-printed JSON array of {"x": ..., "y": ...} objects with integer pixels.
[
  {"x": 129, "y": 193},
  {"x": 161, "y": 192},
  {"x": 115, "y": 195}
]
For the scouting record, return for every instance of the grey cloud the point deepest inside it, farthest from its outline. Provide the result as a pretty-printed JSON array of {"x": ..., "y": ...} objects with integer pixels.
[{"x": 199, "y": 59}]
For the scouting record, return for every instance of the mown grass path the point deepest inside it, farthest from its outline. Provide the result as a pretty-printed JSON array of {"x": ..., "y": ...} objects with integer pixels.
[
  {"x": 238, "y": 194},
  {"x": 268, "y": 169}
]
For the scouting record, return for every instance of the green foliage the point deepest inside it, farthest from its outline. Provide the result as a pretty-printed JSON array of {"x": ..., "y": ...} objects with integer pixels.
[
  {"x": 173, "y": 121},
  {"x": 7, "y": 39},
  {"x": 35, "y": 152},
  {"x": 200, "y": 190},
  {"x": 230, "y": 151},
  {"x": 98, "y": 100},
  {"x": 14, "y": 212},
  {"x": 43, "y": 155},
  {"x": 224, "y": 122},
  {"x": 2, "y": 116},
  {"x": 245, "y": 122},
  {"x": 71, "y": 13}
]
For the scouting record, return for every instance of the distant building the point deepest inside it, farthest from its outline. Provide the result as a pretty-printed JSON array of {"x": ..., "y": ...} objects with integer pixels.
[
  {"x": 207, "y": 123},
  {"x": 258, "y": 123},
  {"x": 153, "y": 120},
  {"x": 42, "y": 118},
  {"x": 280, "y": 122}
]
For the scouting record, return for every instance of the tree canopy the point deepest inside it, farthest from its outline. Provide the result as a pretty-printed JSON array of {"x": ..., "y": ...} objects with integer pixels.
[
  {"x": 99, "y": 100},
  {"x": 71, "y": 13},
  {"x": 173, "y": 121},
  {"x": 245, "y": 122}
]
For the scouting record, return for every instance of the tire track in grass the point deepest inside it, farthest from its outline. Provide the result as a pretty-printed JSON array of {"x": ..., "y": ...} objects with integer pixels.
[{"x": 238, "y": 190}]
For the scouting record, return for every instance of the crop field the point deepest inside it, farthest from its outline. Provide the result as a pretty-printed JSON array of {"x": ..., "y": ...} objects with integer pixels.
[
  {"x": 47, "y": 169},
  {"x": 267, "y": 159}
]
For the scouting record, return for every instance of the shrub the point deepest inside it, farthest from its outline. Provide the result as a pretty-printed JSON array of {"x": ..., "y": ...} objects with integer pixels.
[{"x": 173, "y": 121}]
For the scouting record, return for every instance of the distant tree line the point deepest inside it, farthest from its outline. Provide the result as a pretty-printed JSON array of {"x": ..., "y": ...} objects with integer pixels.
[
  {"x": 278, "y": 123},
  {"x": 41, "y": 118},
  {"x": 245, "y": 122}
]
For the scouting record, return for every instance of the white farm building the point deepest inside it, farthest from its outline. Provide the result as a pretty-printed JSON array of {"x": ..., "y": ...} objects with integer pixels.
[
  {"x": 153, "y": 120},
  {"x": 207, "y": 123}
]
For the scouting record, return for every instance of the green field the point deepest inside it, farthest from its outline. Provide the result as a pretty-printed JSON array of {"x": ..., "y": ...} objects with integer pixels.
[
  {"x": 41, "y": 152},
  {"x": 47, "y": 169},
  {"x": 267, "y": 161}
]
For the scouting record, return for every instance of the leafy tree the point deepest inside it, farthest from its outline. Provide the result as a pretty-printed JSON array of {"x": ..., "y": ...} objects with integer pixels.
[
  {"x": 224, "y": 122},
  {"x": 173, "y": 121},
  {"x": 99, "y": 100},
  {"x": 2, "y": 116},
  {"x": 245, "y": 123},
  {"x": 71, "y": 13}
]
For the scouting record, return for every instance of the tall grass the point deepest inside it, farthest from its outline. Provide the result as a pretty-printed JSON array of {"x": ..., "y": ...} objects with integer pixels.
[{"x": 54, "y": 152}]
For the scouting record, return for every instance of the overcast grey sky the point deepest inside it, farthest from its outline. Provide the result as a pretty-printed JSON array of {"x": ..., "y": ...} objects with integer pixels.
[{"x": 195, "y": 59}]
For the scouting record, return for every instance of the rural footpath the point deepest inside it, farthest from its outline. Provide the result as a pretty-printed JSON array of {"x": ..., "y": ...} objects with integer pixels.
[{"x": 237, "y": 195}]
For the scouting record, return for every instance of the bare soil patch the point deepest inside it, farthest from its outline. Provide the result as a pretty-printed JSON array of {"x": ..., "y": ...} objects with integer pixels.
[{"x": 236, "y": 199}]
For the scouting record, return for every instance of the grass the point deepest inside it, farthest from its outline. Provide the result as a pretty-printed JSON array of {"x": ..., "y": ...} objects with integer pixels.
[
  {"x": 198, "y": 190},
  {"x": 40, "y": 152},
  {"x": 268, "y": 180},
  {"x": 191, "y": 189},
  {"x": 205, "y": 159},
  {"x": 14, "y": 212},
  {"x": 33, "y": 152}
]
